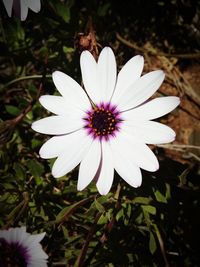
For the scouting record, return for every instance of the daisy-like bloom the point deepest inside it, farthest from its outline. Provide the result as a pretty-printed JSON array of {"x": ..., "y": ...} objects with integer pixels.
[
  {"x": 21, "y": 249},
  {"x": 20, "y": 7},
  {"x": 107, "y": 126}
]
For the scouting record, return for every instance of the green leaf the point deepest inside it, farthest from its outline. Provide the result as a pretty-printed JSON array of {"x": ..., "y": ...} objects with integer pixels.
[
  {"x": 65, "y": 212},
  {"x": 152, "y": 243},
  {"x": 150, "y": 209},
  {"x": 160, "y": 197},
  {"x": 120, "y": 214},
  {"x": 12, "y": 110},
  {"x": 16, "y": 209},
  {"x": 109, "y": 214},
  {"x": 168, "y": 191},
  {"x": 68, "y": 49},
  {"x": 35, "y": 143},
  {"x": 99, "y": 207},
  {"x": 142, "y": 200},
  {"x": 103, "y": 219},
  {"x": 19, "y": 170},
  {"x": 62, "y": 10},
  {"x": 36, "y": 169},
  {"x": 103, "y": 10},
  {"x": 128, "y": 210}
]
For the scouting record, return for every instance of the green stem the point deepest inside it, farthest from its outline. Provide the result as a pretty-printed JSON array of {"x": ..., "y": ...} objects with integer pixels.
[
  {"x": 161, "y": 243},
  {"x": 25, "y": 78},
  {"x": 72, "y": 210},
  {"x": 80, "y": 260}
]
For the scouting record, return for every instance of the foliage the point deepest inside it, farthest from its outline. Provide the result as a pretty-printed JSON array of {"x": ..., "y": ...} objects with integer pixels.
[{"x": 154, "y": 225}]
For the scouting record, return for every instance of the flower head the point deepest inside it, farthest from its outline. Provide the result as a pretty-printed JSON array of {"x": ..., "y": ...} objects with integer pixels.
[
  {"x": 107, "y": 127},
  {"x": 20, "y": 7},
  {"x": 21, "y": 249}
]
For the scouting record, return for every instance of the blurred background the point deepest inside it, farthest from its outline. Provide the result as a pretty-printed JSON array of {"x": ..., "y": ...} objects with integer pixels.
[{"x": 154, "y": 225}]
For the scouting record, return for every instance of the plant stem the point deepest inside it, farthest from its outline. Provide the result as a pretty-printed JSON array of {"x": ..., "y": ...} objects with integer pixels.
[
  {"x": 161, "y": 243},
  {"x": 81, "y": 257},
  {"x": 23, "y": 79}
]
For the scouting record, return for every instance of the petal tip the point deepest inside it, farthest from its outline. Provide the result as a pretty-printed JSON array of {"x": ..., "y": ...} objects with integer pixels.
[
  {"x": 178, "y": 100},
  {"x": 103, "y": 191},
  {"x": 34, "y": 126},
  {"x": 56, "y": 74},
  {"x": 41, "y": 99},
  {"x": 42, "y": 154},
  {"x": 140, "y": 57},
  {"x": 162, "y": 74},
  {"x": 108, "y": 48},
  {"x": 137, "y": 185},
  {"x": 84, "y": 53},
  {"x": 55, "y": 174},
  {"x": 154, "y": 167},
  {"x": 80, "y": 188}
]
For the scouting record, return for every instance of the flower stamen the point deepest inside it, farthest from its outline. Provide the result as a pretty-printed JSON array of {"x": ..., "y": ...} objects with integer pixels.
[
  {"x": 102, "y": 121},
  {"x": 12, "y": 254}
]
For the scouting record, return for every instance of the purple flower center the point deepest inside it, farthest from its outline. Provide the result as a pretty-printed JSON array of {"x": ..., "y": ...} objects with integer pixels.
[
  {"x": 13, "y": 254},
  {"x": 103, "y": 121}
]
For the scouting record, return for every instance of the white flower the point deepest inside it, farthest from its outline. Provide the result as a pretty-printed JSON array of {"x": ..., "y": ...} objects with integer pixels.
[
  {"x": 19, "y": 248},
  {"x": 111, "y": 129},
  {"x": 20, "y": 7}
]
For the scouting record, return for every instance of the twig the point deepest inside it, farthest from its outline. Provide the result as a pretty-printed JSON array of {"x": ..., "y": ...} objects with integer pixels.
[
  {"x": 161, "y": 243},
  {"x": 173, "y": 73},
  {"x": 181, "y": 146},
  {"x": 82, "y": 254},
  {"x": 192, "y": 155},
  {"x": 134, "y": 46}
]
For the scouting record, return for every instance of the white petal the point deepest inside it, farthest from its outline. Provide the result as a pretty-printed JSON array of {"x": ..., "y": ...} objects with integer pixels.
[
  {"x": 58, "y": 144},
  {"x": 37, "y": 238},
  {"x": 24, "y": 9},
  {"x": 149, "y": 132},
  {"x": 8, "y": 5},
  {"x": 140, "y": 154},
  {"x": 71, "y": 90},
  {"x": 106, "y": 175},
  {"x": 38, "y": 263},
  {"x": 37, "y": 253},
  {"x": 14, "y": 235},
  {"x": 125, "y": 167},
  {"x": 107, "y": 72},
  {"x": 142, "y": 89},
  {"x": 56, "y": 125},
  {"x": 34, "y": 5},
  {"x": 89, "y": 75},
  {"x": 153, "y": 109},
  {"x": 35, "y": 249},
  {"x": 127, "y": 76},
  {"x": 70, "y": 158},
  {"x": 20, "y": 234},
  {"x": 58, "y": 105},
  {"x": 89, "y": 165}
]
